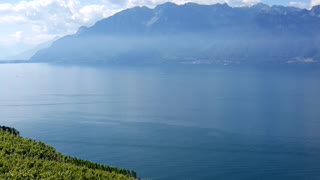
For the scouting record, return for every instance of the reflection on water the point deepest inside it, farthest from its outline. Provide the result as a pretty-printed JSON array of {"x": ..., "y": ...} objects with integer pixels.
[{"x": 172, "y": 123}]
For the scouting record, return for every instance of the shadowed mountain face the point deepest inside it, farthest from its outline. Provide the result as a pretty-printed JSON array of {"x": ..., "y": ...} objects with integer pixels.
[{"x": 194, "y": 34}]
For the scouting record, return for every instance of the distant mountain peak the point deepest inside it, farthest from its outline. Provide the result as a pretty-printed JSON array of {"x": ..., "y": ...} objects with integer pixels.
[
  {"x": 166, "y": 5},
  {"x": 315, "y": 11},
  {"x": 221, "y": 5},
  {"x": 260, "y": 6},
  {"x": 81, "y": 30},
  {"x": 315, "y": 7}
]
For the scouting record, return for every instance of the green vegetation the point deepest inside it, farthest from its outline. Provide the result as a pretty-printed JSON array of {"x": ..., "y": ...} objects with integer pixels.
[{"x": 22, "y": 158}]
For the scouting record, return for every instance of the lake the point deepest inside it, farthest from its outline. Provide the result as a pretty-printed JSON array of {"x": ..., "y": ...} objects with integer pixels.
[{"x": 183, "y": 123}]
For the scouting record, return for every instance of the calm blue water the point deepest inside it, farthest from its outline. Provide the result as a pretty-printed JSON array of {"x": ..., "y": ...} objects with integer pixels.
[{"x": 172, "y": 123}]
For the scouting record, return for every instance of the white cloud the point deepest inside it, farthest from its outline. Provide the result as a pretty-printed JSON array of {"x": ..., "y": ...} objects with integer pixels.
[
  {"x": 48, "y": 18},
  {"x": 93, "y": 12},
  {"x": 39, "y": 38},
  {"x": 315, "y": 2},
  {"x": 301, "y": 5},
  {"x": 17, "y": 36},
  {"x": 242, "y": 2},
  {"x": 13, "y": 19},
  {"x": 55, "y": 15}
]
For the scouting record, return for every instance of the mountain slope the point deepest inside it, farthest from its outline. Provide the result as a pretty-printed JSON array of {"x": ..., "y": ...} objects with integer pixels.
[
  {"x": 22, "y": 158},
  {"x": 193, "y": 33}
]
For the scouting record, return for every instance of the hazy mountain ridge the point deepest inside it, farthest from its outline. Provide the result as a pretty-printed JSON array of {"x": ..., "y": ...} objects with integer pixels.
[
  {"x": 26, "y": 55},
  {"x": 196, "y": 34}
]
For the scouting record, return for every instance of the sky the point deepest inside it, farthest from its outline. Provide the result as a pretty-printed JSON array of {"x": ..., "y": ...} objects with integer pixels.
[{"x": 25, "y": 24}]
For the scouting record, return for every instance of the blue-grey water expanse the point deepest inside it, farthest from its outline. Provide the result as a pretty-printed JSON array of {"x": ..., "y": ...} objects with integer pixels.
[{"x": 191, "y": 122}]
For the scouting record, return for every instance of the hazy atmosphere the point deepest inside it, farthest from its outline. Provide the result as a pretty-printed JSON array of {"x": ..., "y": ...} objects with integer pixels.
[{"x": 26, "y": 24}]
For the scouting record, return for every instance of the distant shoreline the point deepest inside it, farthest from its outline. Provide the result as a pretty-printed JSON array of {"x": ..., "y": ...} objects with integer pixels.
[
  {"x": 263, "y": 65},
  {"x": 15, "y": 61}
]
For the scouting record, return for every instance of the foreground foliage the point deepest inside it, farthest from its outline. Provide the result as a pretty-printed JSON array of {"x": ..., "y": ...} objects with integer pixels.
[{"x": 22, "y": 158}]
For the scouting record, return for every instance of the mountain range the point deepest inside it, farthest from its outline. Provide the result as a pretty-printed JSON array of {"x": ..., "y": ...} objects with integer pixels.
[{"x": 194, "y": 34}]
